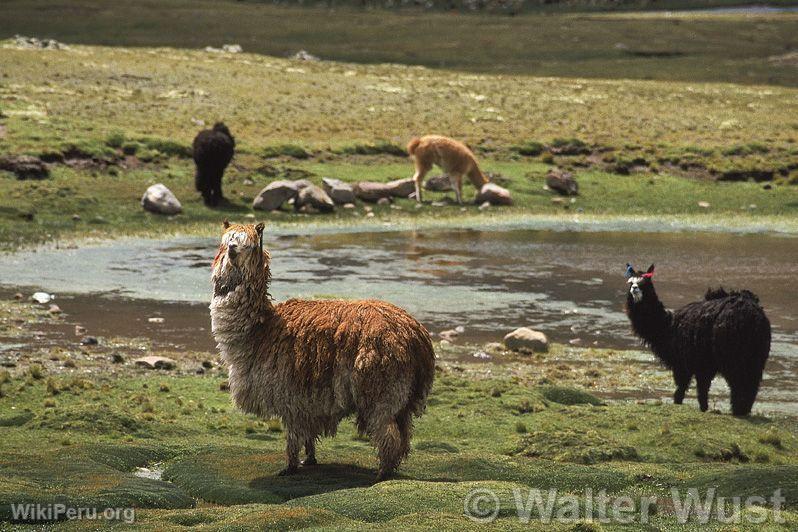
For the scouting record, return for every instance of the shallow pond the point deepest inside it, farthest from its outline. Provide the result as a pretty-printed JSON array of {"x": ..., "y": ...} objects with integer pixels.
[{"x": 567, "y": 284}]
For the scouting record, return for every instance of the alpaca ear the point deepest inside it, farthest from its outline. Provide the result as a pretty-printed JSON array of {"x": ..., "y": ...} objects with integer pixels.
[
  {"x": 259, "y": 229},
  {"x": 650, "y": 269},
  {"x": 226, "y": 224}
]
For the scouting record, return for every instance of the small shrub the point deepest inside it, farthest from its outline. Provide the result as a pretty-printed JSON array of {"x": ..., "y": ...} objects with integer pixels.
[
  {"x": 49, "y": 403},
  {"x": 115, "y": 139},
  {"x": 5, "y": 376},
  {"x": 762, "y": 458},
  {"x": 167, "y": 147},
  {"x": 163, "y": 387},
  {"x": 36, "y": 371},
  {"x": 520, "y": 427},
  {"x": 771, "y": 437},
  {"x": 547, "y": 158},
  {"x": 569, "y": 147},
  {"x": 289, "y": 150},
  {"x": 529, "y": 148},
  {"x": 52, "y": 386},
  {"x": 131, "y": 147}
]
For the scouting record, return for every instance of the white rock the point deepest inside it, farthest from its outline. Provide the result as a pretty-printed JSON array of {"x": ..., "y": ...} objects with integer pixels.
[
  {"x": 526, "y": 339},
  {"x": 341, "y": 193},
  {"x": 275, "y": 194},
  {"x": 42, "y": 297},
  {"x": 494, "y": 194},
  {"x": 160, "y": 200}
]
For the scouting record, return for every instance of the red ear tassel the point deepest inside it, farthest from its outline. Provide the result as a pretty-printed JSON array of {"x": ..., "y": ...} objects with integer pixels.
[{"x": 647, "y": 275}]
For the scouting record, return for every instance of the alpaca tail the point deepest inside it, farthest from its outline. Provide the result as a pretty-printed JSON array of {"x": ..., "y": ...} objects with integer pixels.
[
  {"x": 412, "y": 145},
  {"x": 477, "y": 177}
]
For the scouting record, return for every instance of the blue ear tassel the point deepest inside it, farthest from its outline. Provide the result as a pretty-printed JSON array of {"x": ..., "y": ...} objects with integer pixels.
[{"x": 630, "y": 272}]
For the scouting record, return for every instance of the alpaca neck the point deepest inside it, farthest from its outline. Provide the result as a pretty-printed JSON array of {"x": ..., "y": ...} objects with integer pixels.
[
  {"x": 651, "y": 321},
  {"x": 238, "y": 316}
]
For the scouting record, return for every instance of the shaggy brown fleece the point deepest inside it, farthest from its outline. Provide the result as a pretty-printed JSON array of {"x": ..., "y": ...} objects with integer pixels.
[
  {"x": 452, "y": 156},
  {"x": 312, "y": 363}
]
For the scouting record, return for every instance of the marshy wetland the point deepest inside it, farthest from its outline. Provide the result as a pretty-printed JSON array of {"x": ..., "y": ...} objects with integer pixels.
[{"x": 679, "y": 127}]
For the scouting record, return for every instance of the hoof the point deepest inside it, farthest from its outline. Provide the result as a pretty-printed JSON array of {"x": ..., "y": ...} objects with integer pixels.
[
  {"x": 287, "y": 471},
  {"x": 309, "y": 462}
]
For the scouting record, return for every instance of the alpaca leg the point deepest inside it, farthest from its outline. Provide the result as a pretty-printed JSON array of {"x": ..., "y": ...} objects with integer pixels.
[
  {"x": 682, "y": 384},
  {"x": 702, "y": 384},
  {"x": 293, "y": 443},
  {"x": 417, "y": 177},
  {"x": 310, "y": 452},
  {"x": 388, "y": 440},
  {"x": 405, "y": 423},
  {"x": 743, "y": 395},
  {"x": 456, "y": 181},
  {"x": 217, "y": 186}
]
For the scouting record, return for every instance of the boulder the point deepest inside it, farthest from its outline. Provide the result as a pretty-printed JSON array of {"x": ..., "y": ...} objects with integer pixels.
[
  {"x": 438, "y": 183},
  {"x": 340, "y": 192},
  {"x": 274, "y": 195},
  {"x": 25, "y": 167},
  {"x": 525, "y": 339},
  {"x": 302, "y": 183},
  {"x": 372, "y": 191},
  {"x": 160, "y": 200},
  {"x": 302, "y": 55},
  {"x": 315, "y": 197},
  {"x": 562, "y": 182},
  {"x": 493, "y": 194},
  {"x": 155, "y": 362}
]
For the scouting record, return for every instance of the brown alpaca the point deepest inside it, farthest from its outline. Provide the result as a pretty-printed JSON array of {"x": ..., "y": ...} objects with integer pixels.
[
  {"x": 312, "y": 363},
  {"x": 452, "y": 156}
]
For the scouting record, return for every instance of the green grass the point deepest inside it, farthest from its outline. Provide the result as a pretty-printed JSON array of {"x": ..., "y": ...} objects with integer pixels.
[
  {"x": 84, "y": 446},
  {"x": 107, "y": 204},
  {"x": 728, "y": 48},
  {"x": 133, "y": 112}
]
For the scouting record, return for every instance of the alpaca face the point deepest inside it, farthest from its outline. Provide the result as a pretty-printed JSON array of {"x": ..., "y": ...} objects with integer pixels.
[
  {"x": 639, "y": 282},
  {"x": 240, "y": 254}
]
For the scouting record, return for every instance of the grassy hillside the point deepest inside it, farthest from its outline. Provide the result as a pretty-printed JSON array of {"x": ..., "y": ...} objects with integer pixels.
[
  {"x": 115, "y": 120},
  {"x": 729, "y": 48}
]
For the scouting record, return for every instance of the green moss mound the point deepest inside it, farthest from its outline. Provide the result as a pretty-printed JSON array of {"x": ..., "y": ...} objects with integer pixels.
[
  {"x": 74, "y": 478},
  {"x": 569, "y": 396},
  {"x": 583, "y": 447}
]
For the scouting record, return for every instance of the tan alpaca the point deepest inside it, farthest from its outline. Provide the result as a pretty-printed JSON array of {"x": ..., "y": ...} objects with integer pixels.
[
  {"x": 312, "y": 363},
  {"x": 451, "y": 156}
]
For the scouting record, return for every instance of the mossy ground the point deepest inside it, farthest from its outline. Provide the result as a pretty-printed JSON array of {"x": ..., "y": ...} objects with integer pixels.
[{"x": 76, "y": 434}]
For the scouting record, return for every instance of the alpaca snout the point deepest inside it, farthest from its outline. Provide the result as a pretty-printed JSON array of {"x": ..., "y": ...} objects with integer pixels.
[
  {"x": 636, "y": 293},
  {"x": 232, "y": 250}
]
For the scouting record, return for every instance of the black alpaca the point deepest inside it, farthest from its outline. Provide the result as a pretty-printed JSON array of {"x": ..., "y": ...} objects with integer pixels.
[
  {"x": 213, "y": 150},
  {"x": 726, "y": 333}
]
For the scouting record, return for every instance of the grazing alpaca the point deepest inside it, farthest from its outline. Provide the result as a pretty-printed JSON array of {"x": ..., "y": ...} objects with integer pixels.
[
  {"x": 312, "y": 363},
  {"x": 213, "y": 150},
  {"x": 453, "y": 157},
  {"x": 727, "y": 333}
]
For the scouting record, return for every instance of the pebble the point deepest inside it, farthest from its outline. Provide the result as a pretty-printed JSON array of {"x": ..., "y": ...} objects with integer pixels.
[
  {"x": 76, "y": 217},
  {"x": 484, "y": 206},
  {"x": 349, "y": 206},
  {"x": 575, "y": 341},
  {"x": 54, "y": 309},
  {"x": 80, "y": 330},
  {"x": 18, "y": 296},
  {"x": 384, "y": 201},
  {"x": 89, "y": 340},
  {"x": 369, "y": 214},
  {"x": 156, "y": 319},
  {"x": 704, "y": 204},
  {"x": 116, "y": 358}
]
